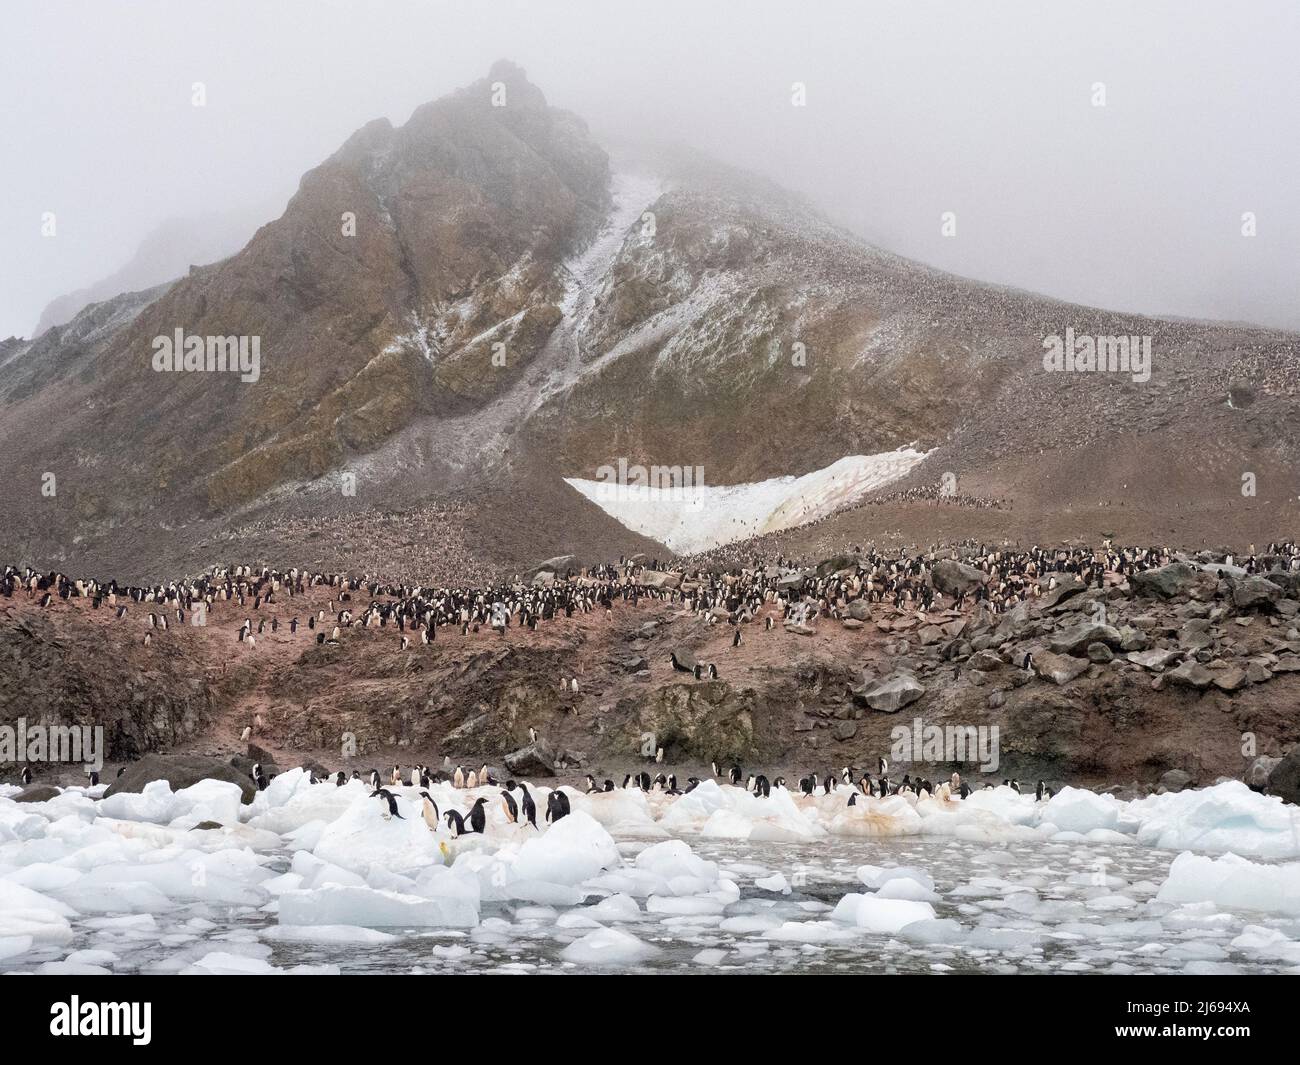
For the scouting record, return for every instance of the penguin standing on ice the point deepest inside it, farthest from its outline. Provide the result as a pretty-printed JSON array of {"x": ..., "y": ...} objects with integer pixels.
[
  {"x": 26, "y": 775},
  {"x": 391, "y": 800},
  {"x": 510, "y": 806},
  {"x": 557, "y": 806},
  {"x": 455, "y": 822},
  {"x": 341, "y": 779},
  {"x": 478, "y": 816},
  {"x": 259, "y": 778},
  {"x": 430, "y": 811},
  {"x": 529, "y": 806}
]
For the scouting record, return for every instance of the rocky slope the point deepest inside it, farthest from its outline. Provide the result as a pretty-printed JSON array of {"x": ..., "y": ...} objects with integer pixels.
[{"x": 1186, "y": 674}]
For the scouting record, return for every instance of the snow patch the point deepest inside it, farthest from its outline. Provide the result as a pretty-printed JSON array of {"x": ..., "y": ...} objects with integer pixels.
[{"x": 699, "y": 518}]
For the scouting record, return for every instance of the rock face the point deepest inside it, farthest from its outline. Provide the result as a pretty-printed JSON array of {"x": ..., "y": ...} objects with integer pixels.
[
  {"x": 180, "y": 771},
  {"x": 699, "y": 721},
  {"x": 951, "y": 577},
  {"x": 536, "y": 759}
]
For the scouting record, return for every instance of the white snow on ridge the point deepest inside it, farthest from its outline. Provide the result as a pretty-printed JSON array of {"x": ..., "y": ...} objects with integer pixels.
[{"x": 704, "y": 517}]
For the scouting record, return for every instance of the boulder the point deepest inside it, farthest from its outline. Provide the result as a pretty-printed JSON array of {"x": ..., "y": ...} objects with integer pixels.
[
  {"x": 1284, "y": 779},
  {"x": 180, "y": 771},
  {"x": 1155, "y": 660},
  {"x": 1257, "y": 773},
  {"x": 1255, "y": 593},
  {"x": 1230, "y": 679},
  {"x": 1067, "y": 586},
  {"x": 1191, "y": 674},
  {"x": 860, "y": 610},
  {"x": 837, "y": 564},
  {"x": 845, "y": 730},
  {"x": 557, "y": 567},
  {"x": 659, "y": 578},
  {"x": 1060, "y": 669},
  {"x": 1176, "y": 780},
  {"x": 536, "y": 759},
  {"x": 892, "y": 693},
  {"x": 1075, "y": 639},
  {"x": 37, "y": 793},
  {"x": 952, "y": 577},
  {"x": 1164, "y": 582},
  {"x": 1099, "y": 652}
]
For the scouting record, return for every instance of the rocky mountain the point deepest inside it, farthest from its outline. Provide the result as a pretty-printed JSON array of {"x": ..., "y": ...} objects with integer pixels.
[
  {"x": 164, "y": 255},
  {"x": 477, "y": 303}
]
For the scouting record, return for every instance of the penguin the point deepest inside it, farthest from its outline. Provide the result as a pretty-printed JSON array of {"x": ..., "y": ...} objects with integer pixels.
[
  {"x": 734, "y": 774},
  {"x": 533, "y": 734},
  {"x": 26, "y": 775},
  {"x": 472, "y": 781},
  {"x": 557, "y": 806},
  {"x": 395, "y": 777},
  {"x": 391, "y": 799},
  {"x": 529, "y": 806},
  {"x": 1015, "y": 786},
  {"x": 374, "y": 779},
  {"x": 458, "y": 778},
  {"x": 659, "y": 756},
  {"x": 853, "y": 799},
  {"x": 511, "y": 807},
  {"x": 429, "y": 809},
  {"x": 259, "y": 778},
  {"x": 341, "y": 779},
  {"x": 767, "y": 623},
  {"x": 676, "y": 664},
  {"x": 735, "y": 640},
  {"x": 478, "y": 816},
  {"x": 94, "y": 778},
  {"x": 246, "y": 734},
  {"x": 691, "y": 784},
  {"x": 762, "y": 789},
  {"x": 455, "y": 822}
]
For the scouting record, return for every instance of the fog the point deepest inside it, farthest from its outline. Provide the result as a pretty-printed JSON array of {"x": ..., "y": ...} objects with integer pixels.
[{"x": 984, "y": 109}]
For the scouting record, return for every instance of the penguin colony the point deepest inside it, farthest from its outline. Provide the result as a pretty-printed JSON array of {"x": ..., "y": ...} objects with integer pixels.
[{"x": 732, "y": 595}]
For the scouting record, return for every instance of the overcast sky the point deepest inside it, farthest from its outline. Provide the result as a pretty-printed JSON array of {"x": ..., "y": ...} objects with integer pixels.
[{"x": 985, "y": 109}]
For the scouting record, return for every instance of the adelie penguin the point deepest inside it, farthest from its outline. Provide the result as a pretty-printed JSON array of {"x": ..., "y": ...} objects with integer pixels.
[
  {"x": 259, "y": 778},
  {"x": 455, "y": 822},
  {"x": 557, "y": 806},
  {"x": 26, "y": 775},
  {"x": 529, "y": 806},
  {"x": 391, "y": 800},
  {"x": 510, "y": 806}
]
